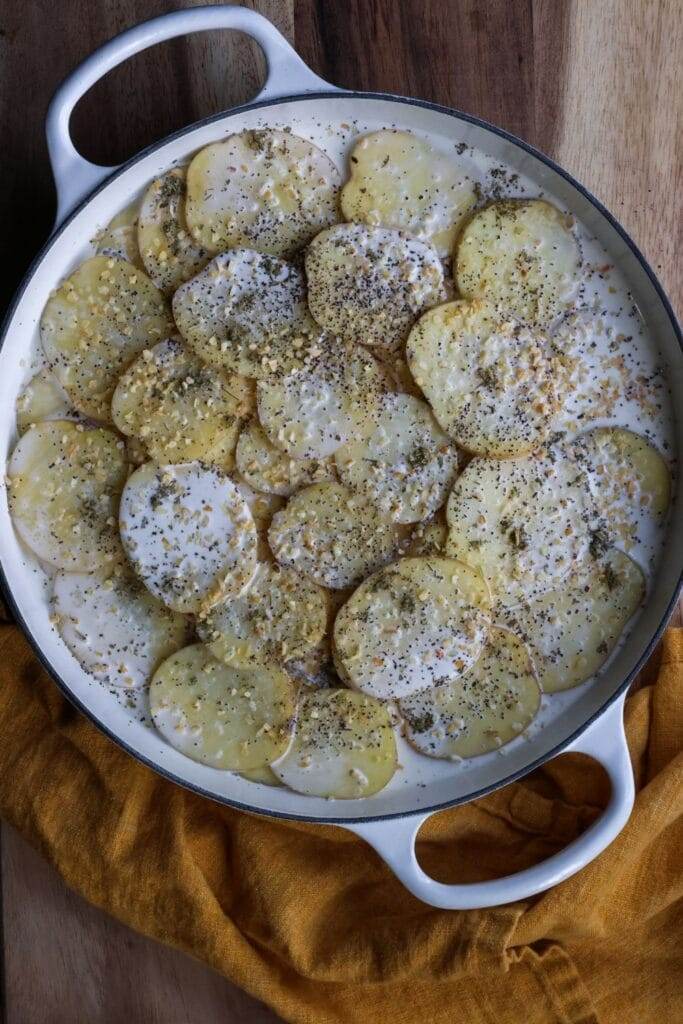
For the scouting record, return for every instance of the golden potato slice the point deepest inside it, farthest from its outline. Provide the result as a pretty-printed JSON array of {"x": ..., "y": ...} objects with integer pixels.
[
  {"x": 405, "y": 466},
  {"x": 224, "y": 717},
  {"x": 120, "y": 237},
  {"x": 95, "y": 324},
  {"x": 491, "y": 381},
  {"x": 168, "y": 251},
  {"x": 280, "y": 616},
  {"x": 188, "y": 533},
  {"x": 521, "y": 255},
  {"x": 64, "y": 488},
  {"x": 180, "y": 408},
  {"x": 483, "y": 710},
  {"x": 331, "y": 535},
  {"x": 269, "y": 469},
  {"x": 399, "y": 181},
  {"x": 369, "y": 284},
  {"x": 43, "y": 399},
  {"x": 416, "y": 623},
  {"x": 343, "y": 747},
  {"x": 269, "y": 190},
  {"x": 571, "y": 631}
]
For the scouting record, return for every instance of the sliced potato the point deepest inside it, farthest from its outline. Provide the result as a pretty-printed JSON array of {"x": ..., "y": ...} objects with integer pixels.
[
  {"x": 315, "y": 669},
  {"x": 331, "y": 535},
  {"x": 281, "y": 615},
  {"x": 269, "y": 469},
  {"x": 114, "y": 627},
  {"x": 64, "y": 488},
  {"x": 399, "y": 181},
  {"x": 120, "y": 237},
  {"x": 168, "y": 251},
  {"x": 429, "y": 538},
  {"x": 266, "y": 776},
  {"x": 344, "y": 746},
  {"x": 416, "y": 623},
  {"x": 483, "y": 710},
  {"x": 369, "y": 284},
  {"x": 262, "y": 507},
  {"x": 95, "y": 324},
  {"x": 180, "y": 408},
  {"x": 572, "y": 631},
  {"x": 188, "y": 533},
  {"x": 491, "y": 381},
  {"x": 269, "y": 190},
  {"x": 405, "y": 466},
  {"x": 136, "y": 453},
  {"x": 224, "y": 717},
  {"x": 247, "y": 313},
  {"x": 521, "y": 255},
  {"x": 43, "y": 399}
]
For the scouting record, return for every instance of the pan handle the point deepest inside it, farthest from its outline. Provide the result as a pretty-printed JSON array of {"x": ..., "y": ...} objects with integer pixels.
[
  {"x": 394, "y": 840},
  {"x": 76, "y": 177}
]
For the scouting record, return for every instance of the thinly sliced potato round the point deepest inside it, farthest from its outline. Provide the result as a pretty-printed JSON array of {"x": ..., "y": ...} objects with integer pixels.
[
  {"x": 399, "y": 181},
  {"x": 405, "y": 466},
  {"x": 120, "y": 237},
  {"x": 247, "y": 313},
  {"x": 491, "y": 381},
  {"x": 369, "y": 284},
  {"x": 95, "y": 324},
  {"x": 572, "y": 631},
  {"x": 180, "y": 408},
  {"x": 483, "y": 710},
  {"x": 331, "y": 535},
  {"x": 114, "y": 627},
  {"x": 188, "y": 533},
  {"x": 428, "y": 538},
  {"x": 417, "y": 623},
  {"x": 43, "y": 399},
  {"x": 281, "y": 615},
  {"x": 521, "y": 255},
  {"x": 344, "y": 746},
  {"x": 168, "y": 251},
  {"x": 64, "y": 488},
  {"x": 266, "y": 776},
  {"x": 269, "y": 469},
  {"x": 225, "y": 717}
]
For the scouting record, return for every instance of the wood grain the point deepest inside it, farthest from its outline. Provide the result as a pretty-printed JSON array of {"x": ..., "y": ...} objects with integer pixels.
[{"x": 597, "y": 86}]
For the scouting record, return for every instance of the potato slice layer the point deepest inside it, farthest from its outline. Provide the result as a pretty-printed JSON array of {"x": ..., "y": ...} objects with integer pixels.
[
  {"x": 95, "y": 324},
  {"x": 120, "y": 237},
  {"x": 43, "y": 399},
  {"x": 64, "y": 488},
  {"x": 405, "y": 466},
  {"x": 522, "y": 256},
  {"x": 168, "y": 251},
  {"x": 269, "y": 469},
  {"x": 399, "y": 181},
  {"x": 369, "y": 284},
  {"x": 417, "y": 623},
  {"x": 483, "y": 710},
  {"x": 269, "y": 190},
  {"x": 344, "y": 746},
  {"x": 224, "y": 717},
  {"x": 188, "y": 533}
]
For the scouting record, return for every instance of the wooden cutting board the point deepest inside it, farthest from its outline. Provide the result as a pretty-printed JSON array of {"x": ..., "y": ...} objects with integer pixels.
[{"x": 597, "y": 85}]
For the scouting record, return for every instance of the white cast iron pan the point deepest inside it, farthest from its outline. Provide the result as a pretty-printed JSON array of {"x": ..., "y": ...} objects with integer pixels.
[{"x": 89, "y": 196}]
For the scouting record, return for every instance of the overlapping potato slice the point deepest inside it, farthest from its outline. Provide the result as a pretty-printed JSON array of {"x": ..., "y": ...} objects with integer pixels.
[
  {"x": 405, "y": 466},
  {"x": 429, "y": 538},
  {"x": 486, "y": 708},
  {"x": 344, "y": 746},
  {"x": 179, "y": 407},
  {"x": 168, "y": 251},
  {"x": 120, "y": 237},
  {"x": 280, "y": 616},
  {"x": 331, "y": 535},
  {"x": 267, "y": 189},
  {"x": 571, "y": 631},
  {"x": 416, "y": 623},
  {"x": 114, "y": 627},
  {"x": 266, "y": 776},
  {"x": 316, "y": 409},
  {"x": 369, "y": 284},
  {"x": 269, "y": 469},
  {"x": 99, "y": 319},
  {"x": 64, "y": 488},
  {"x": 247, "y": 313},
  {"x": 521, "y": 255},
  {"x": 399, "y": 181},
  {"x": 43, "y": 399},
  {"x": 262, "y": 507},
  {"x": 225, "y": 717},
  {"x": 492, "y": 381},
  {"x": 188, "y": 533}
]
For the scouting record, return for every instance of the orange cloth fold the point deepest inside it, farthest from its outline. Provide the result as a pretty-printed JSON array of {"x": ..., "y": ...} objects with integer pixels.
[{"x": 309, "y": 920}]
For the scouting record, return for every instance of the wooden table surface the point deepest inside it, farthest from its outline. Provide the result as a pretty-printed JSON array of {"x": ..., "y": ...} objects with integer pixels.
[{"x": 597, "y": 85}]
